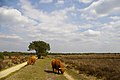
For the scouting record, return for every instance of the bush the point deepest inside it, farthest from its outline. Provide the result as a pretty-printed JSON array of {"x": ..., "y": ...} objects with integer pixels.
[
  {"x": 106, "y": 66},
  {"x": 1, "y": 56}
]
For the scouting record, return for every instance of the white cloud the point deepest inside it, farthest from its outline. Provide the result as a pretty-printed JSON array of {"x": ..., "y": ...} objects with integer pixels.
[
  {"x": 10, "y": 16},
  {"x": 101, "y": 8},
  {"x": 13, "y": 36},
  {"x": 85, "y": 1},
  {"x": 60, "y": 1},
  {"x": 113, "y": 25},
  {"x": 85, "y": 26},
  {"x": 46, "y": 1},
  {"x": 49, "y": 22},
  {"x": 115, "y": 17},
  {"x": 91, "y": 33},
  {"x": 58, "y": 28},
  {"x": 110, "y": 33},
  {"x": 44, "y": 17},
  {"x": 107, "y": 6},
  {"x": 52, "y": 27}
]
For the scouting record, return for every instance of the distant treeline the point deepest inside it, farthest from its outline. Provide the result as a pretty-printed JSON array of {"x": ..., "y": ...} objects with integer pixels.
[
  {"x": 80, "y": 53},
  {"x": 5, "y": 53}
]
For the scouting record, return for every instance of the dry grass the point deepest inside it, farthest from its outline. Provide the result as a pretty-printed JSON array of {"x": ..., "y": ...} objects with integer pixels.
[
  {"x": 11, "y": 61},
  {"x": 105, "y": 66}
]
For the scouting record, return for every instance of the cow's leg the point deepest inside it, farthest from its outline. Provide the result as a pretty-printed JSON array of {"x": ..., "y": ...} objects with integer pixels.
[
  {"x": 53, "y": 69},
  {"x": 58, "y": 71},
  {"x": 33, "y": 62}
]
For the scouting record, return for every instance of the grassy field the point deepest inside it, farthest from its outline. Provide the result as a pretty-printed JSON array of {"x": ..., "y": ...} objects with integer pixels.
[
  {"x": 80, "y": 67},
  {"x": 41, "y": 70},
  {"x": 103, "y": 66}
]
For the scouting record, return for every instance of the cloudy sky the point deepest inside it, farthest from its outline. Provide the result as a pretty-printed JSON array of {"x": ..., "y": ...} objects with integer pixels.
[{"x": 67, "y": 25}]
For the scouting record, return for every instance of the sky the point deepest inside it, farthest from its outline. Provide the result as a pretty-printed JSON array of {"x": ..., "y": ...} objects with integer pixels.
[{"x": 67, "y": 25}]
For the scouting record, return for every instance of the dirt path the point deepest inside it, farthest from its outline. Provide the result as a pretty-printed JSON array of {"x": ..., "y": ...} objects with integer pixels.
[
  {"x": 12, "y": 69},
  {"x": 68, "y": 76}
]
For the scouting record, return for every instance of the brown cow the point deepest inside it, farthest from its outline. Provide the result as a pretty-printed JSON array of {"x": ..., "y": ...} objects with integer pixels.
[
  {"x": 31, "y": 60},
  {"x": 57, "y": 65}
]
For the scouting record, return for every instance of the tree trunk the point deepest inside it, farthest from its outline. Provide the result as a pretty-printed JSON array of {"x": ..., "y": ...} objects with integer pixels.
[{"x": 39, "y": 56}]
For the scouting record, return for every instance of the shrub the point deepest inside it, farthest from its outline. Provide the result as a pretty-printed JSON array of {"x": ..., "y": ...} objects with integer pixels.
[
  {"x": 106, "y": 66},
  {"x": 1, "y": 56}
]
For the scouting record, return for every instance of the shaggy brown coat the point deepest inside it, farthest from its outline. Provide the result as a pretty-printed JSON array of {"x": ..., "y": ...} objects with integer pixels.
[
  {"x": 31, "y": 60},
  {"x": 57, "y": 65}
]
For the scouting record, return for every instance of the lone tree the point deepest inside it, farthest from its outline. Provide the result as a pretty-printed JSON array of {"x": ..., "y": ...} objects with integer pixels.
[{"x": 40, "y": 47}]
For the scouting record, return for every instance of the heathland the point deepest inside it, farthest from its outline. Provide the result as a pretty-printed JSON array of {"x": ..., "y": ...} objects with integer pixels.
[{"x": 90, "y": 66}]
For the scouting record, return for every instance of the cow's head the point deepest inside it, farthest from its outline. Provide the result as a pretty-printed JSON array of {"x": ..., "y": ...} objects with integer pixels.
[{"x": 62, "y": 70}]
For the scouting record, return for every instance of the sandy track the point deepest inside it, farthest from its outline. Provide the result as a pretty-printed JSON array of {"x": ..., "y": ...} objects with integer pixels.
[
  {"x": 68, "y": 76},
  {"x": 12, "y": 69}
]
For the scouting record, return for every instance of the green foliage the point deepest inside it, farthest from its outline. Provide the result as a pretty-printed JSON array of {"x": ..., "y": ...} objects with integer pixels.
[
  {"x": 40, "y": 47},
  {"x": 1, "y": 56}
]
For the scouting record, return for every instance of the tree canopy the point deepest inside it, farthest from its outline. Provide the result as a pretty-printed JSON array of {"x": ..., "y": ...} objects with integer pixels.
[{"x": 40, "y": 47}]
